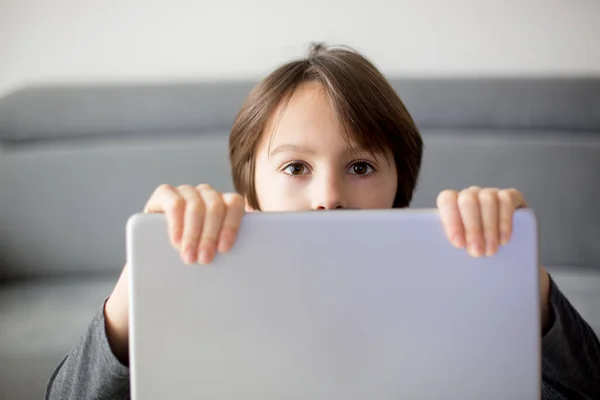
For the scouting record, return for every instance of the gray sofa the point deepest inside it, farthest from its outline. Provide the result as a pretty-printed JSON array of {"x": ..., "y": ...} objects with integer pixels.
[{"x": 76, "y": 161}]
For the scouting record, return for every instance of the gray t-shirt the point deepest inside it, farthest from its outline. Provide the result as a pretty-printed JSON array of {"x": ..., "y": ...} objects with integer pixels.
[{"x": 570, "y": 361}]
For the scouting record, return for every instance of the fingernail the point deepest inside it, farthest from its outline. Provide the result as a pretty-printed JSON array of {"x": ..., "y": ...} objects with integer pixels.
[
  {"x": 491, "y": 249},
  {"x": 224, "y": 243},
  {"x": 503, "y": 238},
  {"x": 205, "y": 256},
  {"x": 176, "y": 237},
  {"x": 475, "y": 249},
  {"x": 188, "y": 254},
  {"x": 457, "y": 241},
  {"x": 223, "y": 246}
]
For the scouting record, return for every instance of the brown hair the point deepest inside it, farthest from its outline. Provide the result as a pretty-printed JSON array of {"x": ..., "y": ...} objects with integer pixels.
[{"x": 364, "y": 102}]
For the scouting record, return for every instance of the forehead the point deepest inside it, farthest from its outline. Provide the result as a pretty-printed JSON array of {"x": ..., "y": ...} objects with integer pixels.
[
  {"x": 307, "y": 119},
  {"x": 307, "y": 114}
]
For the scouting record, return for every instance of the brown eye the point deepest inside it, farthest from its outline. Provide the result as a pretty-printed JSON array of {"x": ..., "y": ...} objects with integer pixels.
[
  {"x": 361, "y": 168},
  {"x": 295, "y": 169}
]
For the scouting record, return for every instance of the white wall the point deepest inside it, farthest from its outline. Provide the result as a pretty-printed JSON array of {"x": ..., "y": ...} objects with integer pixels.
[{"x": 147, "y": 40}]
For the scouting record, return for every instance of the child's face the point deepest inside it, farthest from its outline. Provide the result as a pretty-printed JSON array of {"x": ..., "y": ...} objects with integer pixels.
[{"x": 306, "y": 164}]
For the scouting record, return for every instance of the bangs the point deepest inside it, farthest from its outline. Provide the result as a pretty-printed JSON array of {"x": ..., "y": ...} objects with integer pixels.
[
  {"x": 361, "y": 134},
  {"x": 356, "y": 105},
  {"x": 361, "y": 130}
]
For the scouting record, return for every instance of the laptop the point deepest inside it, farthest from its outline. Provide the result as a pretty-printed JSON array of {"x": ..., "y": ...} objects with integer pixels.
[{"x": 328, "y": 305}]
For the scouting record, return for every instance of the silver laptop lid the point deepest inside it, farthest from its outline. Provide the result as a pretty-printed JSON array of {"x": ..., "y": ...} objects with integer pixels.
[{"x": 349, "y": 305}]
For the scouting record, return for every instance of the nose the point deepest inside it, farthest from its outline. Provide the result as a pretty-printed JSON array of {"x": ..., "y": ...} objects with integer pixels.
[{"x": 329, "y": 194}]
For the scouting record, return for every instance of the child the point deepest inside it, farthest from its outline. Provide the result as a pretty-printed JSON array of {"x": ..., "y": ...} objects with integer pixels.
[{"x": 321, "y": 133}]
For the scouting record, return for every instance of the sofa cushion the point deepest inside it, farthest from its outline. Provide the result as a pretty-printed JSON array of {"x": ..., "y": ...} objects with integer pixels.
[{"x": 40, "y": 321}]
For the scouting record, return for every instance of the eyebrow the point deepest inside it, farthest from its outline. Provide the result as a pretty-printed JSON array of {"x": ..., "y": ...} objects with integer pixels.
[
  {"x": 288, "y": 147},
  {"x": 292, "y": 147}
]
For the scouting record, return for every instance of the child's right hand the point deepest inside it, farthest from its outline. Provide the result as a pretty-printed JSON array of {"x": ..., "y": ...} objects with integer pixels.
[{"x": 201, "y": 221}]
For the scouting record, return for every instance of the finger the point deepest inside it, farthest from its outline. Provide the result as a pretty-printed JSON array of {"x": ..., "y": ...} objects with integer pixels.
[
  {"x": 192, "y": 226},
  {"x": 213, "y": 220},
  {"x": 509, "y": 201},
  {"x": 447, "y": 203},
  {"x": 468, "y": 205},
  {"x": 234, "y": 204},
  {"x": 488, "y": 203},
  {"x": 168, "y": 200}
]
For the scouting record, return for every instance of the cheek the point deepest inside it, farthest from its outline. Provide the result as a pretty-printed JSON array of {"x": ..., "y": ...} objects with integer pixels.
[
  {"x": 277, "y": 192},
  {"x": 375, "y": 193}
]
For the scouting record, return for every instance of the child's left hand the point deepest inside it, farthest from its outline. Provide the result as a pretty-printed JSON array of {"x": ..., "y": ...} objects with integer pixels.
[{"x": 480, "y": 219}]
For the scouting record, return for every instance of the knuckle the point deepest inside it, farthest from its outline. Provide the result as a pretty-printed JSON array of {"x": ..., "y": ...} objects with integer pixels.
[
  {"x": 516, "y": 196},
  {"x": 234, "y": 199},
  {"x": 230, "y": 230},
  {"x": 207, "y": 241},
  {"x": 446, "y": 197},
  {"x": 488, "y": 196},
  {"x": 194, "y": 206},
  {"x": 509, "y": 194},
  {"x": 215, "y": 206},
  {"x": 191, "y": 237},
  {"x": 467, "y": 199},
  {"x": 204, "y": 186},
  {"x": 176, "y": 203},
  {"x": 473, "y": 233},
  {"x": 503, "y": 195},
  {"x": 505, "y": 222},
  {"x": 490, "y": 231},
  {"x": 165, "y": 187}
]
